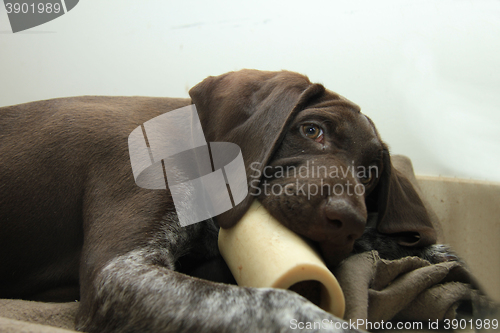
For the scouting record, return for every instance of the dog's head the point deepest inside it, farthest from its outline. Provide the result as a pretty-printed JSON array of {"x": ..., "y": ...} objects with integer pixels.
[{"x": 312, "y": 158}]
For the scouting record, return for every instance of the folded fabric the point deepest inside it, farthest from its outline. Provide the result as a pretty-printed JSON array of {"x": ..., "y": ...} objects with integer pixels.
[{"x": 407, "y": 289}]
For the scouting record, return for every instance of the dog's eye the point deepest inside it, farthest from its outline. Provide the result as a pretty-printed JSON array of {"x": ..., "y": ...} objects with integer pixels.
[
  {"x": 366, "y": 179},
  {"x": 368, "y": 175},
  {"x": 313, "y": 132}
]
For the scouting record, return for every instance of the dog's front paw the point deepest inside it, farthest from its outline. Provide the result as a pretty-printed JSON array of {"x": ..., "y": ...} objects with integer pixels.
[
  {"x": 438, "y": 253},
  {"x": 389, "y": 248},
  {"x": 291, "y": 312}
]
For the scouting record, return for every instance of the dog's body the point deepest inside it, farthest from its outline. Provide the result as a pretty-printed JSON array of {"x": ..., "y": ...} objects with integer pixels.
[{"x": 71, "y": 215}]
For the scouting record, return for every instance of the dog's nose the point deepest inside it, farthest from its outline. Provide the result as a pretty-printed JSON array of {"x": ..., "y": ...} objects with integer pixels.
[{"x": 348, "y": 219}]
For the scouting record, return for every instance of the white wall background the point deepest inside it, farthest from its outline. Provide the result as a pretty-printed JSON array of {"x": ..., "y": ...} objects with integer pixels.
[{"x": 426, "y": 71}]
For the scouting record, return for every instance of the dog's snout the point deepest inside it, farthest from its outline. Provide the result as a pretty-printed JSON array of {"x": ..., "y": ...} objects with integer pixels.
[
  {"x": 345, "y": 222},
  {"x": 347, "y": 219}
]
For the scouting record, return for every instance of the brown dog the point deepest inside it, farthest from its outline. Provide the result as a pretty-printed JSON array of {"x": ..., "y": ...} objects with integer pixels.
[{"x": 72, "y": 216}]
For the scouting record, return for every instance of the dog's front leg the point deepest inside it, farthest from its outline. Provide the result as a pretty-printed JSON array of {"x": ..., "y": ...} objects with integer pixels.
[{"x": 138, "y": 292}]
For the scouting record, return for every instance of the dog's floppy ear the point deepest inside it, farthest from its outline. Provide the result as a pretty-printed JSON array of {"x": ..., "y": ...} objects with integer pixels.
[
  {"x": 252, "y": 109},
  {"x": 401, "y": 212}
]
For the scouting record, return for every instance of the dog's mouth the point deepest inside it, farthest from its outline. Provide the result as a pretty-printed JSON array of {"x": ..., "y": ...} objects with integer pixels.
[{"x": 333, "y": 253}]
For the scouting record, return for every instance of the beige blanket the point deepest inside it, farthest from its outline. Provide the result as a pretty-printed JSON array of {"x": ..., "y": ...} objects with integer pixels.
[{"x": 25, "y": 316}]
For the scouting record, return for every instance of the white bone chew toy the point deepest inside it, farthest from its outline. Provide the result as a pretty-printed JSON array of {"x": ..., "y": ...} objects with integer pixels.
[{"x": 261, "y": 252}]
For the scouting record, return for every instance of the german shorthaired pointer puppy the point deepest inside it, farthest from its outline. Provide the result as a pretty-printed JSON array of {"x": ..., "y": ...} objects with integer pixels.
[{"x": 73, "y": 219}]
